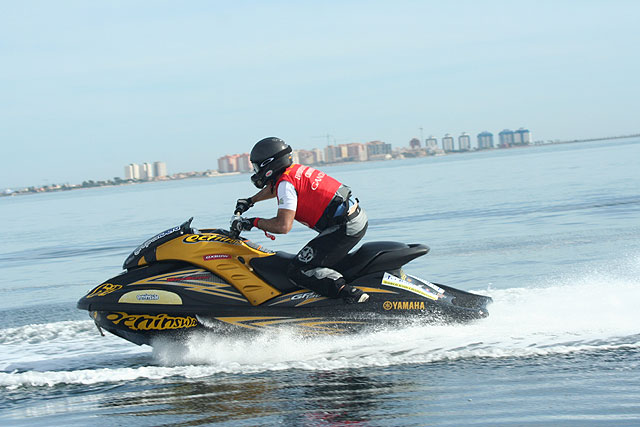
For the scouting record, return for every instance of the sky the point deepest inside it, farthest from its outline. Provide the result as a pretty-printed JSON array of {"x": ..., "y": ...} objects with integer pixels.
[{"x": 88, "y": 87}]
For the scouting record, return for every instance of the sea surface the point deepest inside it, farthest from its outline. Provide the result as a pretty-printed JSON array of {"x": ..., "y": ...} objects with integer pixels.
[{"x": 552, "y": 233}]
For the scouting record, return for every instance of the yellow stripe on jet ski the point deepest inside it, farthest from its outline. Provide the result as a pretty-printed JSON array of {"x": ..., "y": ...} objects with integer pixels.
[
  {"x": 375, "y": 290},
  {"x": 238, "y": 321},
  {"x": 316, "y": 324},
  {"x": 310, "y": 300}
]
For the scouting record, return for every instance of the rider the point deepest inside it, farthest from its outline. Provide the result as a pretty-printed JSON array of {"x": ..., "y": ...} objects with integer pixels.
[{"x": 316, "y": 200}]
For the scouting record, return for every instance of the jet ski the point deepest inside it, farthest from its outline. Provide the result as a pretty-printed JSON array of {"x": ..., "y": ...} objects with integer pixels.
[{"x": 184, "y": 280}]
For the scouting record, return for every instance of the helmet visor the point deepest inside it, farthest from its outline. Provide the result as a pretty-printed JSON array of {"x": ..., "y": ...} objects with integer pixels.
[{"x": 256, "y": 167}]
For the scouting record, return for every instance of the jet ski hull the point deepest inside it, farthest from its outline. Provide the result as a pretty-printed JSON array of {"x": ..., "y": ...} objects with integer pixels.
[{"x": 181, "y": 300}]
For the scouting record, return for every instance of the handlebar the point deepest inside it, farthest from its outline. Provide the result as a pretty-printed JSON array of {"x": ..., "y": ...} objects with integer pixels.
[{"x": 234, "y": 232}]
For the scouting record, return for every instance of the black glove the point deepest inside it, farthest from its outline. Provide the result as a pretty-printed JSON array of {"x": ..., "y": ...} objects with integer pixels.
[
  {"x": 243, "y": 205},
  {"x": 242, "y": 224}
]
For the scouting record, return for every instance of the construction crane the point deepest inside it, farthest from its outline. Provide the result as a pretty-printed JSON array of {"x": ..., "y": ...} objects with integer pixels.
[{"x": 328, "y": 137}]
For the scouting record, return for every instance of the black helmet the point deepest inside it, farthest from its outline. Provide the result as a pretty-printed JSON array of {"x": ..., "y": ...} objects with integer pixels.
[{"x": 270, "y": 157}]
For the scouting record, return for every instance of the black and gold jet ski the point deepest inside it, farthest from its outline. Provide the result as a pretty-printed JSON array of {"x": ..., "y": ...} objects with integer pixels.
[{"x": 184, "y": 280}]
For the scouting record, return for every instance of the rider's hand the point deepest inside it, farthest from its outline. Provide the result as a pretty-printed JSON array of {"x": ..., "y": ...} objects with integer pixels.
[
  {"x": 243, "y": 205},
  {"x": 242, "y": 224}
]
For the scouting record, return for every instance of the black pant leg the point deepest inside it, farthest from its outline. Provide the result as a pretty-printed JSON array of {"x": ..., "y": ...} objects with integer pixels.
[{"x": 311, "y": 268}]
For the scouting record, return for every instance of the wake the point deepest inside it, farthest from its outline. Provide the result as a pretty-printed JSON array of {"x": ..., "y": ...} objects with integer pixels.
[{"x": 594, "y": 312}]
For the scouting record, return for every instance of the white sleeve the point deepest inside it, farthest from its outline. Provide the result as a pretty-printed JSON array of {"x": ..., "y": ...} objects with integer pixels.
[{"x": 287, "y": 196}]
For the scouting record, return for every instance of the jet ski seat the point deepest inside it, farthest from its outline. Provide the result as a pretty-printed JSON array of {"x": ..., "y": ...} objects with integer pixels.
[
  {"x": 372, "y": 257},
  {"x": 378, "y": 257}
]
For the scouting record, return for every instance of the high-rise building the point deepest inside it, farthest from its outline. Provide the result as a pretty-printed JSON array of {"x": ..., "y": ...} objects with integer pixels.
[
  {"x": 227, "y": 164},
  {"x": 336, "y": 153},
  {"x": 506, "y": 138},
  {"x": 464, "y": 142},
  {"x": 295, "y": 156},
  {"x": 159, "y": 169},
  {"x": 431, "y": 143},
  {"x": 378, "y": 150},
  {"x": 330, "y": 153},
  {"x": 147, "y": 172},
  {"x": 414, "y": 144},
  {"x": 243, "y": 162},
  {"x": 522, "y": 137},
  {"x": 305, "y": 157},
  {"x": 447, "y": 143},
  {"x": 357, "y": 152},
  {"x": 318, "y": 155},
  {"x": 343, "y": 149},
  {"x": 517, "y": 138},
  {"x": 485, "y": 140},
  {"x": 132, "y": 171}
]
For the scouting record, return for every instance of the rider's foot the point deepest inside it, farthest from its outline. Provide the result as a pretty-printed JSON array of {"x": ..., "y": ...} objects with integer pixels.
[{"x": 352, "y": 295}]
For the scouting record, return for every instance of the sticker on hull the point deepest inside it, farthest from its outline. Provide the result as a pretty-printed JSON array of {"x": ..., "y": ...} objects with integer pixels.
[
  {"x": 149, "y": 322},
  {"x": 211, "y": 257},
  {"x": 104, "y": 289},
  {"x": 152, "y": 296},
  {"x": 396, "y": 282},
  {"x": 196, "y": 238}
]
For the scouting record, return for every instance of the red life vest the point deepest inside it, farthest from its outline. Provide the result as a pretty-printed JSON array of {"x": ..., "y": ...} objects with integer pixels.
[{"x": 315, "y": 191}]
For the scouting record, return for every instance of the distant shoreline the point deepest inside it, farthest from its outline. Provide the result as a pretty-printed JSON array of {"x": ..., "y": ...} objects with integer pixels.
[
  {"x": 399, "y": 154},
  {"x": 636, "y": 135},
  {"x": 116, "y": 182}
]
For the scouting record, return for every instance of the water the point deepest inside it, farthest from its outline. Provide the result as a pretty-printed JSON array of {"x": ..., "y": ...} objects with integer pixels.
[{"x": 551, "y": 233}]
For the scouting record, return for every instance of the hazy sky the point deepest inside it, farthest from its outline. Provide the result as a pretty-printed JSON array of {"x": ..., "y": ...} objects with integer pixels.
[{"x": 87, "y": 87}]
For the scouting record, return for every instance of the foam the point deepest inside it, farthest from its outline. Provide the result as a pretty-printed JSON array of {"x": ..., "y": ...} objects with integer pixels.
[
  {"x": 47, "y": 332},
  {"x": 58, "y": 345},
  {"x": 591, "y": 312}
]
